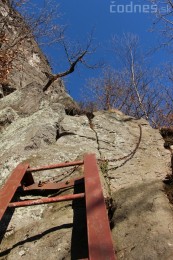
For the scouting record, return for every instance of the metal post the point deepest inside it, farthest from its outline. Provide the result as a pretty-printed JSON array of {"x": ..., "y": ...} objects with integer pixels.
[
  {"x": 100, "y": 243},
  {"x": 10, "y": 187}
]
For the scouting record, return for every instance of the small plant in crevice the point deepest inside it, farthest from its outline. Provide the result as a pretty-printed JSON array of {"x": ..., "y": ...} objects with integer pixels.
[{"x": 104, "y": 167}]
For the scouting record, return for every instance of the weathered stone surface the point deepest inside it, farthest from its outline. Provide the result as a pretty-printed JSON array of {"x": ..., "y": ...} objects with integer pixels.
[
  {"x": 141, "y": 211},
  {"x": 135, "y": 185},
  {"x": 35, "y": 128},
  {"x": 25, "y": 101},
  {"x": 142, "y": 222},
  {"x": 30, "y": 133},
  {"x": 28, "y": 64},
  {"x": 7, "y": 116},
  {"x": 118, "y": 137}
]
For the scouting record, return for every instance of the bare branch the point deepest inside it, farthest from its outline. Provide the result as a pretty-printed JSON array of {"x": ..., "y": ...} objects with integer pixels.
[{"x": 65, "y": 73}]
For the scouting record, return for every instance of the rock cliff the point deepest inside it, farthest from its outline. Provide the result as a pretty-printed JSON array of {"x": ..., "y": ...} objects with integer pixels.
[{"x": 37, "y": 128}]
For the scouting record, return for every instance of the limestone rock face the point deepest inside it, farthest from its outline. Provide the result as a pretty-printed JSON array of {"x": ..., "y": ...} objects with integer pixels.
[
  {"x": 22, "y": 63},
  {"x": 28, "y": 62},
  {"x": 140, "y": 211},
  {"x": 35, "y": 127}
]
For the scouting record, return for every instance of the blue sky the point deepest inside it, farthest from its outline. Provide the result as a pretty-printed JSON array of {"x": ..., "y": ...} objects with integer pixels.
[{"x": 81, "y": 17}]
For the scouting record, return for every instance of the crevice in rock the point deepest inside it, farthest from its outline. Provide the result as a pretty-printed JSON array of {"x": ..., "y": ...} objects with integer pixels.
[
  {"x": 59, "y": 135},
  {"x": 72, "y": 111},
  {"x": 111, "y": 210},
  {"x": 168, "y": 180},
  {"x": 96, "y": 135},
  {"x": 78, "y": 112},
  {"x": 103, "y": 164},
  {"x": 6, "y": 90},
  {"x": 90, "y": 116},
  {"x": 167, "y": 134},
  {"x": 7, "y": 121},
  {"x": 168, "y": 188}
]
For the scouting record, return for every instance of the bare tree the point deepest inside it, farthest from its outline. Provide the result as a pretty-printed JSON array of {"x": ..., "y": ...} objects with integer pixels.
[
  {"x": 108, "y": 91},
  {"x": 16, "y": 30},
  {"x": 42, "y": 25},
  {"x": 163, "y": 22},
  {"x": 138, "y": 76},
  {"x": 38, "y": 22},
  {"x": 74, "y": 54},
  {"x": 132, "y": 87},
  {"x": 167, "y": 113},
  {"x": 164, "y": 25}
]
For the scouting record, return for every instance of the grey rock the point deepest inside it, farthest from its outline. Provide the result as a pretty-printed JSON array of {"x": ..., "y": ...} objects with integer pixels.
[
  {"x": 29, "y": 64},
  {"x": 25, "y": 101},
  {"x": 7, "y": 116},
  {"x": 31, "y": 132},
  {"x": 35, "y": 128},
  {"x": 1, "y": 92},
  {"x": 142, "y": 211},
  {"x": 135, "y": 185}
]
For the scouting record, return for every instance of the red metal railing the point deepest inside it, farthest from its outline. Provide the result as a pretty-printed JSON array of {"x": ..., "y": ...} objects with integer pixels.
[
  {"x": 99, "y": 237},
  {"x": 10, "y": 187},
  {"x": 100, "y": 245},
  {"x": 46, "y": 200},
  {"x": 55, "y": 166}
]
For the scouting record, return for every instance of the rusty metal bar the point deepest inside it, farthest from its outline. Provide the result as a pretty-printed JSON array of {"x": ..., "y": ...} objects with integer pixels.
[
  {"x": 46, "y": 200},
  {"x": 54, "y": 166},
  {"x": 100, "y": 243},
  {"x": 10, "y": 187},
  {"x": 54, "y": 186}
]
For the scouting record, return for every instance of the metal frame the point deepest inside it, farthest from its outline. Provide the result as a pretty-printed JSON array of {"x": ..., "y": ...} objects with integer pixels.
[{"x": 100, "y": 245}]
